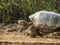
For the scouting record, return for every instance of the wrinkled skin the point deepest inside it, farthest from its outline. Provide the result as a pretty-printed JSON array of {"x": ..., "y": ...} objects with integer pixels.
[
  {"x": 23, "y": 25},
  {"x": 33, "y": 31}
]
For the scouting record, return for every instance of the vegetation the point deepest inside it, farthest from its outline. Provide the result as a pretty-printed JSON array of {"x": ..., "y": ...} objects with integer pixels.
[{"x": 12, "y": 10}]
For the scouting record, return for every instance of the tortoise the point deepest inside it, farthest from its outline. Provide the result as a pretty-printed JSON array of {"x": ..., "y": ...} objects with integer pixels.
[{"x": 45, "y": 21}]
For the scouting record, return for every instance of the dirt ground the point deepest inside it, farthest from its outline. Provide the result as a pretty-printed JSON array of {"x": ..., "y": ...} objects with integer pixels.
[{"x": 14, "y": 37}]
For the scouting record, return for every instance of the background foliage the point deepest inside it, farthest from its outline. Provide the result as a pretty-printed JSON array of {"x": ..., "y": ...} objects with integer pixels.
[{"x": 13, "y": 10}]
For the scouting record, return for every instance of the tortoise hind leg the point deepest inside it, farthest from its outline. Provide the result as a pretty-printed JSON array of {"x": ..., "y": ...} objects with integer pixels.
[{"x": 33, "y": 34}]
